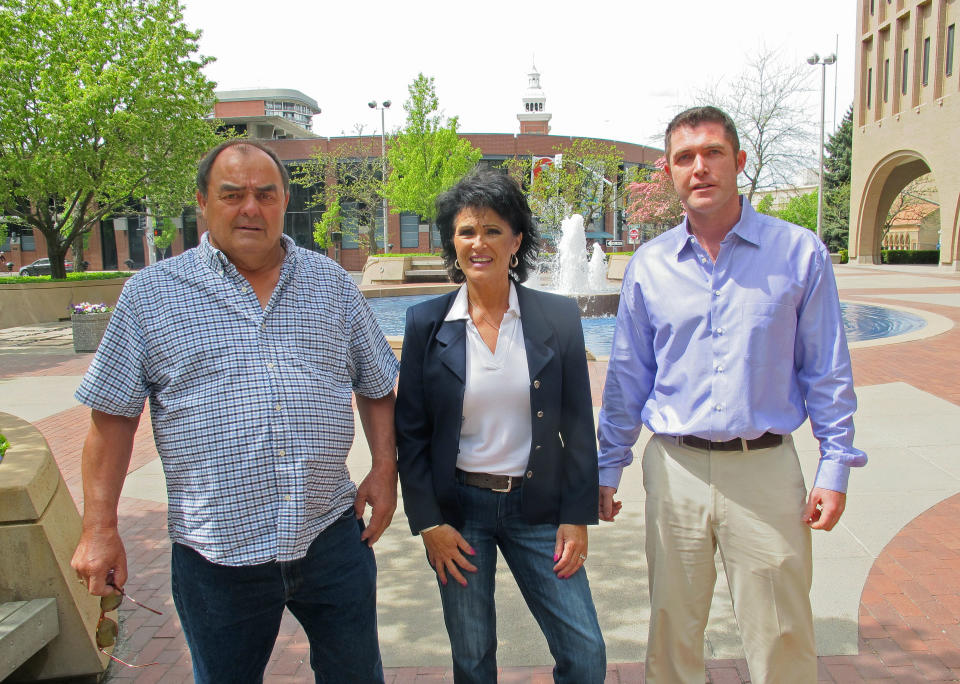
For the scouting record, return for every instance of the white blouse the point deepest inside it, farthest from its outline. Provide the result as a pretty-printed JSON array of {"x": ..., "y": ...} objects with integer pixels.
[{"x": 495, "y": 431}]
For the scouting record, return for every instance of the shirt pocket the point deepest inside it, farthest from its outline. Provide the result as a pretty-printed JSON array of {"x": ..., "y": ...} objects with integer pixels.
[{"x": 770, "y": 329}]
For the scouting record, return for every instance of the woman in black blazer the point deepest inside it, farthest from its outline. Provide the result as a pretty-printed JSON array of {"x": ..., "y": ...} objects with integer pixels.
[{"x": 495, "y": 437}]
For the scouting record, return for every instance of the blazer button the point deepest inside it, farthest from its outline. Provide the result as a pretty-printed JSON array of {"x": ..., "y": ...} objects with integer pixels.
[
  {"x": 536, "y": 384},
  {"x": 536, "y": 448},
  {"x": 529, "y": 474},
  {"x": 539, "y": 414}
]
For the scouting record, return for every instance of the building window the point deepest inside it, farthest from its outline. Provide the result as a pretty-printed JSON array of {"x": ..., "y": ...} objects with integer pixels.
[
  {"x": 869, "y": 88},
  {"x": 348, "y": 225},
  {"x": 949, "y": 65},
  {"x": 904, "y": 72},
  {"x": 27, "y": 241},
  {"x": 409, "y": 230},
  {"x": 886, "y": 79},
  {"x": 926, "y": 60}
]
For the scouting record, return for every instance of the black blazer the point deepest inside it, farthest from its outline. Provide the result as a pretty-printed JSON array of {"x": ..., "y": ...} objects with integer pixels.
[{"x": 561, "y": 480}]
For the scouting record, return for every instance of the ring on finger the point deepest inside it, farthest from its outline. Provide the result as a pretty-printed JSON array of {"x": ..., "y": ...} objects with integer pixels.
[{"x": 582, "y": 557}]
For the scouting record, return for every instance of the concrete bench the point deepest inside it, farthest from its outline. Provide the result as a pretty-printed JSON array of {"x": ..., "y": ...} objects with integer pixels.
[{"x": 25, "y": 628}]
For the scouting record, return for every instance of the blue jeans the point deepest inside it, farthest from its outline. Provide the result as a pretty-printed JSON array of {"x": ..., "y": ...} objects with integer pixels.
[
  {"x": 231, "y": 615},
  {"x": 562, "y": 607}
]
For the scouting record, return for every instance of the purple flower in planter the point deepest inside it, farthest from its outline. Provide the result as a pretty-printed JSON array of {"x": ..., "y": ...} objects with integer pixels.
[{"x": 87, "y": 308}]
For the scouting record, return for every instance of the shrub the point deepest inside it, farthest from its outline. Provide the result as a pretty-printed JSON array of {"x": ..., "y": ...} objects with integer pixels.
[
  {"x": 844, "y": 256},
  {"x": 910, "y": 256},
  {"x": 106, "y": 275}
]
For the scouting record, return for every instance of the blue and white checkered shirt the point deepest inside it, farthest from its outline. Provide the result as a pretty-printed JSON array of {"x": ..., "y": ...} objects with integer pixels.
[{"x": 251, "y": 406}]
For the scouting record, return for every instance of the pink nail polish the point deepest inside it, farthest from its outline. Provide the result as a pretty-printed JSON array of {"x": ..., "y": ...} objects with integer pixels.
[{"x": 556, "y": 557}]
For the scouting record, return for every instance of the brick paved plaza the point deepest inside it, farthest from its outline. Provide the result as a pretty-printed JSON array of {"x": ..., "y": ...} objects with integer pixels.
[{"x": 887, "y": 587}]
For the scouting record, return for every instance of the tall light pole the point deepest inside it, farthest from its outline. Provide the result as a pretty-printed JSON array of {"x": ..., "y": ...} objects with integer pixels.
[
  {"x": 813, "y": 60},
  {"x": 385, "y": 105}
]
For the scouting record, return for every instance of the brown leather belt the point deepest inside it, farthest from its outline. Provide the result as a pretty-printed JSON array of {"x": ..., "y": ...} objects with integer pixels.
[
  {"x": 764, "y": 441},
  {"x": 498, "y": 483}
]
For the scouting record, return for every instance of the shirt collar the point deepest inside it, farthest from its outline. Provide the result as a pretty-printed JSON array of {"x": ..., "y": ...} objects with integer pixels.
[
  {"x": 460, "y": 309},
  {"x": 748, "y": 228},
  {"x": 217, "y": 260}
]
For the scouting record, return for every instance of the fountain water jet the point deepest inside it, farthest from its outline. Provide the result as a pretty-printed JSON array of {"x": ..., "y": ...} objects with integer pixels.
[{"x": 576, "y": 276}]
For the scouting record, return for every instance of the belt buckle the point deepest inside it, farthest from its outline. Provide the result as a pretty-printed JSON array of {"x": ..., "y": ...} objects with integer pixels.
[{"x": 508, "y": 488}]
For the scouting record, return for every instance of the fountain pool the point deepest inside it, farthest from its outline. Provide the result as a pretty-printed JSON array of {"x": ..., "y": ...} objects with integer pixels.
[{"x": 860, "y": 321}]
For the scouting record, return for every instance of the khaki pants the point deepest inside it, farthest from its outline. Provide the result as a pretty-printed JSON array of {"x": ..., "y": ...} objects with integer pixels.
[{"x": 749, "y": 505}]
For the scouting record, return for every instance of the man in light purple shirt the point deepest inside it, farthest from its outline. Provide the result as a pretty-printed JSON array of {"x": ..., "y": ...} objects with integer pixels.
[{"x": 729, "y": 335}]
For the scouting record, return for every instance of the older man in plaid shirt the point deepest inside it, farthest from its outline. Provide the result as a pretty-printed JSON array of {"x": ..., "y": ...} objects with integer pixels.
[{"x": 249, "y": 350}]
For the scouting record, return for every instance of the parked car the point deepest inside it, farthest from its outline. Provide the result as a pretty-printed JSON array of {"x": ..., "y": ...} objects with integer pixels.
[{"x": 41, "y": 267}]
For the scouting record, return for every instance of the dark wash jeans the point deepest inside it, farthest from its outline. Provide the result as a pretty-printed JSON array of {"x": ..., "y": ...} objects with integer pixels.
[
  {"x": 562, "y": 607},
  {"x": 231, "y": 615}
]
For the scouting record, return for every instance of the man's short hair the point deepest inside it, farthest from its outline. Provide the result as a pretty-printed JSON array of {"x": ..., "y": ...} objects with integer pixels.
[
  {"x": 203, "y": 170},
  {"x": 693, "y": 117}
]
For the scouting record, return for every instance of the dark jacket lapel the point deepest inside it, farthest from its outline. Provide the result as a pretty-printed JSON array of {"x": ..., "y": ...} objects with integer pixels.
[{"x": 536, "y": 331}]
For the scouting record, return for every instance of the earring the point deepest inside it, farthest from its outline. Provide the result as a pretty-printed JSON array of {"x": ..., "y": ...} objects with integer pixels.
[
  {"x": 514, "y": 261},
  {"x": 456, "y": 264}
]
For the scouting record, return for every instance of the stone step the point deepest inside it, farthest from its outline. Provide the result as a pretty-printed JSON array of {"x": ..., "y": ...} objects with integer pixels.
[{"x": 425, "y": 275}]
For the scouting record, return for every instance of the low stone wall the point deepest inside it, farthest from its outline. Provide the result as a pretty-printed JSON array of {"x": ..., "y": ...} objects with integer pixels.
[
  {"x": 385, "y": 270},
  {"x": 48, "y": 302}
]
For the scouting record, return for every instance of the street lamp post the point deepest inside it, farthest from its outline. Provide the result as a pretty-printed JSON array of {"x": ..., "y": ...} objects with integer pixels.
[
  {"x": 385, "y": 105},
  {"x": 813, "y": 60}
]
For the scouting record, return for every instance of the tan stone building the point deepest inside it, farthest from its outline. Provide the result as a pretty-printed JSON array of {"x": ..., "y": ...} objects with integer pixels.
[{"x": 906, "y": 117}]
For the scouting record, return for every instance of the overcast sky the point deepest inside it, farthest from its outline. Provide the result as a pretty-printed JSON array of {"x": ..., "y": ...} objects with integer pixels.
[{"x": 616, "y": 70}]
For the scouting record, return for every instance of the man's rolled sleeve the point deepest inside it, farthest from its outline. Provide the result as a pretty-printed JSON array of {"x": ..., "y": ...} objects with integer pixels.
[
  {"x": 373, "y": 365},
  {"x": 115, "y": 383}
]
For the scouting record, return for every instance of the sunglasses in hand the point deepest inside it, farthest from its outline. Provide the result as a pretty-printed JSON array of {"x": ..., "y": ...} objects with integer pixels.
[{"x": 107, "y": 627}]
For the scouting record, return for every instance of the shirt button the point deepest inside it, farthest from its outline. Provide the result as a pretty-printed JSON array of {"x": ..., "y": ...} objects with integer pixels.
[
  {"x": 720, "y": 331},
  {"x": 244, "y": 289},
  {"x": 719, "y": 369},
  {"x": 286, "y": 497},
  {"x": 536, "y": 384},
  {"x": 282, "y": 452},
  {"x": 529, "y": 474},
  {"x": 278, "y": 407},
  {"x": 270, "y": 365},
  {"x": 703, "y": 260},
  {"x": 718, "y": 407},
  {"x": 539, "y": 414},
  {"x": 716, "y": 293}
]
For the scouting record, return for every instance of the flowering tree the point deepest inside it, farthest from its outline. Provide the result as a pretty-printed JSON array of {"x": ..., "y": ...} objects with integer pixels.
[{"x": 653, "y": 199}]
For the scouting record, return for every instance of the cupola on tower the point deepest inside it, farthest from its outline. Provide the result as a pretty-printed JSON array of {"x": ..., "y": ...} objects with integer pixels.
[{"x": 534, "y": 117}]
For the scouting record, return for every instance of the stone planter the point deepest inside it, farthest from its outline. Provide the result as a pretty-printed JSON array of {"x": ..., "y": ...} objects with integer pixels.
[{"x": 88, "y": 330}]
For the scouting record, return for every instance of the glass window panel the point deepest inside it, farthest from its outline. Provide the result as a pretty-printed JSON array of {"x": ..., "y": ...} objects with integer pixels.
[
  {"x": 409, "y": 230},
  {"x": 950, "y": 34}
]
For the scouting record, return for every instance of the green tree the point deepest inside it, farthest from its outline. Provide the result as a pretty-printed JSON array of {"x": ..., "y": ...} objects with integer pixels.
[
  {"x": 765, "y": 205},
  {"x": 427, "y": 156},
  {"x": 838, "y": 156},
  {"x": 801, "y": 210},
  {"x": 103, "y": 102},
  {"x": 347, "y": 185},
  {"x": 836, "y": 185},
  {"x": 581, "y": 180}
]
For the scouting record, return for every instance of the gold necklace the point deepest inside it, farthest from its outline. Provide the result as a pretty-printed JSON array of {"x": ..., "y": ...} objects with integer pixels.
[{"x": 483, "y": 318}]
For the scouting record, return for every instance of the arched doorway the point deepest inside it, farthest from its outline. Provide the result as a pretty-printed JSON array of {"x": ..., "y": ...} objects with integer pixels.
[{"x": 886, "y": 182}]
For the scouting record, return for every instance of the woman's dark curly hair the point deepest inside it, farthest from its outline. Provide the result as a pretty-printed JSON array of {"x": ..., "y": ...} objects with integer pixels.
[{"x": 497, "y": 192}]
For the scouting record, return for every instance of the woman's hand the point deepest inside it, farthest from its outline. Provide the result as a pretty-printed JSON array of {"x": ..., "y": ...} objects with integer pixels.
[
  {"x": 570, "y": 551},
  {"x": 445, "y": 549}
]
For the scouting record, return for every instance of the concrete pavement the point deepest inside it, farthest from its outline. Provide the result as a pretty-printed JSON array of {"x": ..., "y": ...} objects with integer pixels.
[{"x": 886, "y": 592}]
